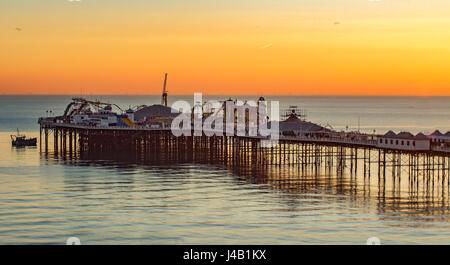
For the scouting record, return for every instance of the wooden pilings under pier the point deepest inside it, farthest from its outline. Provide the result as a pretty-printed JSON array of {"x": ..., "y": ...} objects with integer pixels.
[{"x": 162, "y": 145}]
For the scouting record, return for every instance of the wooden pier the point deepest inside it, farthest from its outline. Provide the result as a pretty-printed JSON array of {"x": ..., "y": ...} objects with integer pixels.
[{"x": 243, "y": 151}]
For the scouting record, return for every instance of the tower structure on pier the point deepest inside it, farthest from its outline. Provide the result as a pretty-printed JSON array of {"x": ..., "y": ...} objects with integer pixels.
[{"x": 164, "y": 93}]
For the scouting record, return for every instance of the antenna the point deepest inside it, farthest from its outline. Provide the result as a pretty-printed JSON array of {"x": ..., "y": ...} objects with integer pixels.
[{"x": 164, "y": 93}]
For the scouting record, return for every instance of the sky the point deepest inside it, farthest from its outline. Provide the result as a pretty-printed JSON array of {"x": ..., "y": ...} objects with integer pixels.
[{"x": 283, "y": 47}]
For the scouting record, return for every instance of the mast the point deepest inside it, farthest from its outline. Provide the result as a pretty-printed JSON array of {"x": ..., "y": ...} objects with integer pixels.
[{"x": 164, "y": 94}]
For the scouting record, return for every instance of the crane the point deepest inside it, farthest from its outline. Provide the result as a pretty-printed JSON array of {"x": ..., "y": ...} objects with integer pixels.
[{"x": 164, "y": 93}]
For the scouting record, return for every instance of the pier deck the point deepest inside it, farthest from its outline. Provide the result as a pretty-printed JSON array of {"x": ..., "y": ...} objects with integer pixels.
[{"x": 160, "y": 144}]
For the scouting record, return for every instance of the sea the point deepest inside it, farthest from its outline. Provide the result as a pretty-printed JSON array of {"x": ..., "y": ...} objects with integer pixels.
[{"x": 46, "y": 199}]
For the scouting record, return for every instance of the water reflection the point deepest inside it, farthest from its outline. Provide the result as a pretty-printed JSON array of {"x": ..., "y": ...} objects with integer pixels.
[
  {"x": 412, "y": 200},
  {"x": 148, "y": 199}
]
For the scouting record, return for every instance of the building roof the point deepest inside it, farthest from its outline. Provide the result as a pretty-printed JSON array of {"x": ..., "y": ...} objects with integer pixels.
[
  {"x": 405, "y": 135},
  {"x": 436, "y": 133},
  {"x": 155, "y": 111},
  {"x": 421, "y": 136},
  {"x": 293, "y": 123},
  {"x": 390, "y": 134},
  {"x": 448, "y": 134}
]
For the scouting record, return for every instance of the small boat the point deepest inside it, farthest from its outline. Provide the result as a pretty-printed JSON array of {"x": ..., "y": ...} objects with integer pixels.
[{"x": 22, "y": 140}]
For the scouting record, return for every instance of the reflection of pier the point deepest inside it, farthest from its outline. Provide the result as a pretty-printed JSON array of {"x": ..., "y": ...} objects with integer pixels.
[
  {"x": 401, "y": 185},
  {"x": 352, "y": 156}
]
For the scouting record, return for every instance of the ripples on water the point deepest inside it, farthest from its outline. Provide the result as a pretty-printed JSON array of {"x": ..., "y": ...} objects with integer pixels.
[{"x": 120, "y": 200}]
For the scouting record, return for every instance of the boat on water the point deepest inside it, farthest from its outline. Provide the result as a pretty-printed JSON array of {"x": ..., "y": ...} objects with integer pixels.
[{"x": 22, "y": 140}]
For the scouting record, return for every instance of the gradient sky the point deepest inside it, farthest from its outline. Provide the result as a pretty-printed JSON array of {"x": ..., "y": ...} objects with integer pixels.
[{"x": 342, "y": 47}]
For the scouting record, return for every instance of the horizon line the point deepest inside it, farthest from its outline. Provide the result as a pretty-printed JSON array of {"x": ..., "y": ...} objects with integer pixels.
[{"x": 216, "y": 94}]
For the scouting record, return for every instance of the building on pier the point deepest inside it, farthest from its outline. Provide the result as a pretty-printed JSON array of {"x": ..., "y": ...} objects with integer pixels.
[
  {"x": 101, "y": 118},
  {"x": 437, "y": 137},
  {"x": 155, "y": 116},
  {"x": 130, "y": 114},
  {"x": 297, "y": 127},
  {"x": 440, "y": 141},
  {"x": 404, "y": 141}
]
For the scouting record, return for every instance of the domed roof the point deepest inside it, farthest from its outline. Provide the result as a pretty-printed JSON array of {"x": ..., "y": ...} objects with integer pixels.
[
  {"x": 156, "y": 111},
  {"x": 293, "y": 123}
]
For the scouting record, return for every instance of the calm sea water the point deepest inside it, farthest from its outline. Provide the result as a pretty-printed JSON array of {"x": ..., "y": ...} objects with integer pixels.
[{"x": 111, "y": 200}]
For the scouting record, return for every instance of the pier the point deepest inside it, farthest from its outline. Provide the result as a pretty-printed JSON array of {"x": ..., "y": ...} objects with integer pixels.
[{"x": 343, "y": 155}]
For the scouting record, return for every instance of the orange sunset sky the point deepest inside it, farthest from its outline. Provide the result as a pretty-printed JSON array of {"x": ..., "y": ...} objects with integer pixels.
[{"x": 318, "y": 47}]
